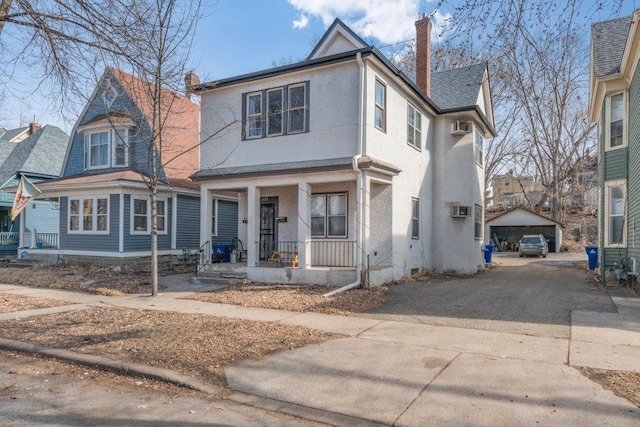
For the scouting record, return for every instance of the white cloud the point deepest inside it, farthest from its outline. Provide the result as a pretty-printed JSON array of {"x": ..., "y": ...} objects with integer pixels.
[
  {"x": 301, "y": 22},
  {"x": 390, "y": 21}
]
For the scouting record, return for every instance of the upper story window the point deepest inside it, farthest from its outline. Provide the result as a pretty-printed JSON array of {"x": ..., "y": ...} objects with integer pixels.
[
  {"x": 478, "y": 149},
  {"x": 329, "y": 215},
  {"x": 615, "y": 129},
  {"x": 414, "y": 126},
  {"x": 380, "y": 116},
  {"x": 615, "y": 213},
  {"x": 88, "y": 215},
  {"x": 507, "y": 183},
  {"x": 277, "y": 111},
  {"x": 141, "y": 215},
  {"x": 106, "y": 148},
  {"x": 477, "y": 222}
]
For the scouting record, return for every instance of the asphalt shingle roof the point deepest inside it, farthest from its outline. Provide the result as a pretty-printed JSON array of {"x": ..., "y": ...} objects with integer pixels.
[
  {"x": 41, "y": 153},
  {"x": 9, "y": 134},
  {"x": 608, "y": 41},
  {"x": 458, "y": 87}
]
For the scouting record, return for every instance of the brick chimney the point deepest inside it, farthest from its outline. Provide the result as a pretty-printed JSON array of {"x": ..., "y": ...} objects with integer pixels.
[
  {"x": 423, "y": 54},
  {"x": 190, "y": 80},
  {"x": 33, "y": 128}
]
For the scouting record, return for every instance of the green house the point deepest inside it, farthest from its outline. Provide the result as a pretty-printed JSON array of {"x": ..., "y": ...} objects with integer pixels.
[{"x": 614, "y": 104}]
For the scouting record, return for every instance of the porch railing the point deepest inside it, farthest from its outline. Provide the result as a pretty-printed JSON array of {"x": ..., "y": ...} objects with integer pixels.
[
  {"x": 9, "y": 244},
  {"x": 267, "y": 248},
  {"x": 47, "y": 240},
  {"x": 333, "y": 253}
]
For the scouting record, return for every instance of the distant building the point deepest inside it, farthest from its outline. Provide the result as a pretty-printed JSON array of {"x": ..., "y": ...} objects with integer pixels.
[{"x": 510, "y": 191}]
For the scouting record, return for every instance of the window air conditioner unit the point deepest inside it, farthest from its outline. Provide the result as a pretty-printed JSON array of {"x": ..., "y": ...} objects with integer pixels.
[
  {"x": 460, "y": 211},
  {"x": 460, "y": 128}
]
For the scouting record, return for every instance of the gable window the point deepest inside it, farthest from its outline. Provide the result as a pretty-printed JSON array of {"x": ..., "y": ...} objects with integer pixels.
[
  {"x": 277, "y": 111},
  {"x": 478, "y": 150},
  {"x": 615, "y": 122},
  {"x": 415, "y": 218},
  {"x": 507, "y": 183},
  {"x": 88, "y": 215},
  {"x": 329, "y": 215},
  {"x": 107, "y": 148},
  {"x": 141, "y": 215},
  {"x": 380, "y": 119},
  {"x": 414, "y": 126},
  {"x": 477, "y": 222},
  {"x": 615, "y": 207}
]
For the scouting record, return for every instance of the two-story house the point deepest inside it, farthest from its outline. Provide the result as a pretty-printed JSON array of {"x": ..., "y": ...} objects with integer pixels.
[
  {"x": 36, "y": 153},
  {"x": 345, "y": 162},
  {"x": 614, "y": 103},
  {"x": 510, "y": 191},
  {"x": 103, "y": 193}
]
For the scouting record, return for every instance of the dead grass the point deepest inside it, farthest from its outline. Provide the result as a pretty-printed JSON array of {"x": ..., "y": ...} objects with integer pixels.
[
  {"x": 10, "y": 303},
  {"x": 296, "y": 298},
  {"x": 192, "y": 344},
  {"x": 623, "y": 383}
]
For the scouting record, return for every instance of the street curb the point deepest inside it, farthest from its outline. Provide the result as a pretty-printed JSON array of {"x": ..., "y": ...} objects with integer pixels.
[{"x": 119, "y": 366}]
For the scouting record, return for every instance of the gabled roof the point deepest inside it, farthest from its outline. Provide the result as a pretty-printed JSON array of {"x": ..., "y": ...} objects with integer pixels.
[
  {"x": 513, "y": 211},
  {"x": 458, "y": 87},
  {"x": 9, "y": 134},
  {"x": 337, "y": 34},
  {"x": 41, "y": 153},
  {"x": 608, "y": 41}
]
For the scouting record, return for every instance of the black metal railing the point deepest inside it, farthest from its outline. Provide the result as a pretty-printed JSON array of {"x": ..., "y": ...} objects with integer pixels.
[
  {"x": 333, "y": 253},
  {"x": 267, "y": 248},
  {"x": 204, "y": 256}
]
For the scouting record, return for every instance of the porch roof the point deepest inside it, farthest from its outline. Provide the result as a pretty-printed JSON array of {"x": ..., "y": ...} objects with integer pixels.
[{"x": 289, "y": 168}]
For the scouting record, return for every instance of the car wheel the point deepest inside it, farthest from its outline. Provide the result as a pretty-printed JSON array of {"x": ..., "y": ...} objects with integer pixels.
[
  {"x": 521, "y": 255},
  {"x": 544, "y": 256}
]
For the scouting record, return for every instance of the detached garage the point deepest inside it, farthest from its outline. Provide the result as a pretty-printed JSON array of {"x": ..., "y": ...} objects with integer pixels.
[{"x": 506, "y": 230}]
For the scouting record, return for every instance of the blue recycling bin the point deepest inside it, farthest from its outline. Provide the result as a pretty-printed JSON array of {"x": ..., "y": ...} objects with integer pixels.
[
  {"x": 592, "y": 253},
  {"x": 221, "y": 252},
  {"x": 488, "y": 253}
]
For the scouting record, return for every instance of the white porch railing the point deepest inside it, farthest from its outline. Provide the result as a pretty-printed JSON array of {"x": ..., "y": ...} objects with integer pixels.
[{"x": 333, "y": 253}]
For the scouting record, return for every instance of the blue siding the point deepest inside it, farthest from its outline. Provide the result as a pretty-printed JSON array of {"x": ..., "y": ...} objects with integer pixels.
[
  {"x": 142, "y": 242},
  {"x": 90, "y": 242},
  {"x": 139, "y": 136},
  {"x": 227, "y": 219},
  {"x": 615, "y": 164},
  {"x": 188, "y": 222},
  {"x": 43, "y": 216}
]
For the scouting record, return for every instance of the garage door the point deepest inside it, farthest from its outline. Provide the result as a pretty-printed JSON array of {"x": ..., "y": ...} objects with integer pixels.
[{"x": 513, "y": 234}]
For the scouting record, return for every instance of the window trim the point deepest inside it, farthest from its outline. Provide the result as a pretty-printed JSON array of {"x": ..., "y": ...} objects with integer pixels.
[
  {"x": 304, "y": 109},
  {"x": 259, "y": 116},
  {"x": 625, "y": 118},
  {"x": 478, "y": 226},
  {"x": 382, "y": 107},
  {"x": 112, "y": 138},
  {"x": 608, "y": 185},
  {"x": 94, "y": 214},
  {"x": 281, "y": 112},
  {"x": 132, "y": 230},
  {"x": 476, "y": 149},
  {"x": 326, "y": 215},
  {"x": 415, "y": 128},
  {"x": 415, "y": 220},
  {"x": 214, "y": 218}
]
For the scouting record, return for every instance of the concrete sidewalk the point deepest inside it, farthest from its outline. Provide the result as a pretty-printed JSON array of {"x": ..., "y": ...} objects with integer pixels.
[{"x": 400, "y": 373}]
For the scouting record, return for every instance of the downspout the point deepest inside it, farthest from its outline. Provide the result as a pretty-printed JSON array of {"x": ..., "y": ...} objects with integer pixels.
[{"x": 359, "y": 187}]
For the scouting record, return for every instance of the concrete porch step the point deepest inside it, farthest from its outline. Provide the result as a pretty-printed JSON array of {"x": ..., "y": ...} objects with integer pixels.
[{"x": 223, "y": 277}]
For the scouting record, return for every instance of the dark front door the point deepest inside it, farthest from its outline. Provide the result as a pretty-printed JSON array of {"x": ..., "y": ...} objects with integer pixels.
[{"x": 267, "y": 227}]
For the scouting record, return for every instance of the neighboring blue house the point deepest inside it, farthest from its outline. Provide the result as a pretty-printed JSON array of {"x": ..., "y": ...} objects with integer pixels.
[
  {"x": 38, "y": 154},
  {"x": 103, "y": 193}
]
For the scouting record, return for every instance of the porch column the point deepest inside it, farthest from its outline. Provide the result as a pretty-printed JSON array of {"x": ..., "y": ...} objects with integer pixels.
[
  {"x": 304, "y": 225},
  {"x": 253, "y": 225}
]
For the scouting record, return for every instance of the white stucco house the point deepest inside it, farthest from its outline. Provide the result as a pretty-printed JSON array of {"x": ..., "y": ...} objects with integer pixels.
[{"x": 346, "y": 163}]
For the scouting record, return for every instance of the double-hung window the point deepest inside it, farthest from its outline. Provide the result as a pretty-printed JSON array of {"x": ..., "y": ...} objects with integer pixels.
[
  {"x": 415, "y": 218},
  {"x": 106, "y": 148},
  {"x": 615, "y": 130},
  {"x": 615, "y": 213},
  {"x": 477, "y": 222},
  {"x": 329, "y": 215},
  {"x": 478, "y": 149},
  {"x": 277, "y": 111},
  {"x": 141, "y": 215},
  {"x": 380, "y": 119},
  {"x": 414, "y": 126},
  {"x": 88, "y": 215}
]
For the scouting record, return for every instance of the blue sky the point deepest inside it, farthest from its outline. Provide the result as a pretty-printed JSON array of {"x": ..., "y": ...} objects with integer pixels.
[{"x": 242, "y": 36}]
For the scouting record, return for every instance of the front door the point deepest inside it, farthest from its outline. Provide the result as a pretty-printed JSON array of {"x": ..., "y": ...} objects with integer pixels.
[{"x": 268, "y": 236}]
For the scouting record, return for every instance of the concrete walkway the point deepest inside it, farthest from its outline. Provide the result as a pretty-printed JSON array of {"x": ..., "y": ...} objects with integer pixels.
[{"x": 394, "y": 372}]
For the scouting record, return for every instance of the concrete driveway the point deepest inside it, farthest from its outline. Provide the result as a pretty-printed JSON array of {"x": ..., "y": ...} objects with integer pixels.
[{"x": 532, "y": 296}]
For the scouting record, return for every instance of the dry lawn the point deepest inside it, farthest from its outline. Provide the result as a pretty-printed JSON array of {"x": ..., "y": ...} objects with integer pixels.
[
  {"x": 192, "y": 344},
  {"x": 623, "y": 383},
  {"x": 10, "y": 303}
]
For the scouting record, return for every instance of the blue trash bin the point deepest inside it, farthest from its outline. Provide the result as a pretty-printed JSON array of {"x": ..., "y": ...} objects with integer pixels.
[
  {"x": 488, "y": 253},
  {"x": 221, "y": 252},
  {"x": 592, "y": 253}
]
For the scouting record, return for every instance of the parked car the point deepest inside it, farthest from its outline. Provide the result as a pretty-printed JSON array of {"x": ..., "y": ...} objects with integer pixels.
[{"x": 533, "y": 244}]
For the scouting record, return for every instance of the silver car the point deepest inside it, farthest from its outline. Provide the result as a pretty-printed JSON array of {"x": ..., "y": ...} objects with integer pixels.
[{"x": 533, "y": 244}]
